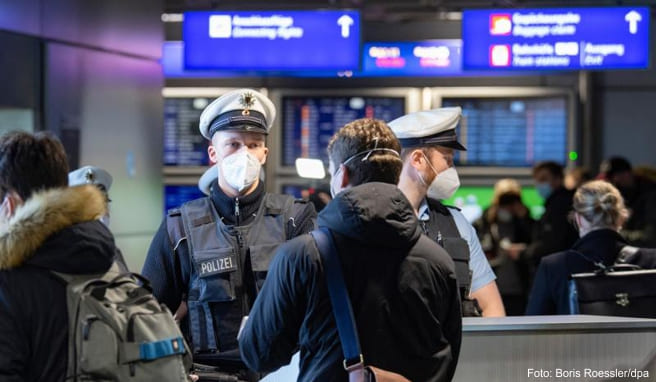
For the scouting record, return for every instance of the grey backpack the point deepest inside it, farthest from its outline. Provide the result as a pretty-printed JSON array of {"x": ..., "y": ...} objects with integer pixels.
[{"x": 118, "y": 331}]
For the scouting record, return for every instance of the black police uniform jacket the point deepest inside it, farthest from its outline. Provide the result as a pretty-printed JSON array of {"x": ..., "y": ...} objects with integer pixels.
[
  {"x": 57, "y": 231},
  {"x": 401, "y": 284},
  {"x": 173, "y": 270},
  {"x": 550, "y": 293}
]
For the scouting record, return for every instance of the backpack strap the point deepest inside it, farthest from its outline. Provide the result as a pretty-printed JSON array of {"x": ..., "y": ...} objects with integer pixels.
[{"x": 339, "y": 299}]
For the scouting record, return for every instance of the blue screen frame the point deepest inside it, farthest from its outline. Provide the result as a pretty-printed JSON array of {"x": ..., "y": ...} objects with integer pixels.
[
  {"x": 295, "y": 40},
  {"x": 556, "y": 39}
]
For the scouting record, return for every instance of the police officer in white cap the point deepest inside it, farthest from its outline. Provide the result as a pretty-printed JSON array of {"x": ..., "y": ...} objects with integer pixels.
[
  {"x": 429, "y": 176},
  {"x": 213, "y": 253},
  {"x": 103, "y": 180},
  {"x": 93, "y": 175}
]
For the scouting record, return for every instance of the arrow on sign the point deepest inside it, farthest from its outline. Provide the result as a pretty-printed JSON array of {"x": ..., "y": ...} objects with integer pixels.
[
  {"x": 345, "y": 21},
  {"x": 633, "y": 18}
]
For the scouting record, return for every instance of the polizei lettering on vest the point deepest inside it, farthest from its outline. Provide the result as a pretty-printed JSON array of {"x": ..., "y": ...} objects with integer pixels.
[{"x": 214, "y": 266}]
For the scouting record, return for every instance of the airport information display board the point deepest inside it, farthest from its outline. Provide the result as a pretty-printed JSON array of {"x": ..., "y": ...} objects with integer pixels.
[
  {"x": 556, "y": 38},
  {"x": 417, "y": 58},
  {"x": 183, "y": 144},
  {"x": 310, "y": 122},
  {"x": 272, "y": 40},
  {"x": 511, "y": 132},
  {"x": 176, "y": 195}
]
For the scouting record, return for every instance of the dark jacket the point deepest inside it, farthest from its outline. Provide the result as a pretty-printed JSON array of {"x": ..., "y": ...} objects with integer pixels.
[
  {"x": 170, "y": 271},
  {"x": 553, "y": 232},
  {"x": 402, "y": 287},
  {"x": 54, "y": 230},
  {"x": 640, "y": 228},
  {"x": 550, "y": 293}
]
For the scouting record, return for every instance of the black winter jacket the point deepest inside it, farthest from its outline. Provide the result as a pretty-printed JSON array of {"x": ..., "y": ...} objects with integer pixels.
[
  {"x": 54, "y": 230},
  {"x": 401, "y": 284}
]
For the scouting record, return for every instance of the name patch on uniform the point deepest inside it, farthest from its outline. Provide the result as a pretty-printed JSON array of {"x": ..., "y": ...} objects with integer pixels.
[{"x": 217, "y": 266}]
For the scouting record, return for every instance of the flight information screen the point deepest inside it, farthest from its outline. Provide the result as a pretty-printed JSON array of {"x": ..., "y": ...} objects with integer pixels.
[
  {"x": 511, "y": 132},
  {"x": 175, "y": 195},
  {"x": 310, "y": 122},
  {"x": 183, "y": 144}
]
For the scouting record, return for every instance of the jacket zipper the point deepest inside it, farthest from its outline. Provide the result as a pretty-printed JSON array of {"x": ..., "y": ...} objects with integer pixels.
[{"x": 237, "y": 211}]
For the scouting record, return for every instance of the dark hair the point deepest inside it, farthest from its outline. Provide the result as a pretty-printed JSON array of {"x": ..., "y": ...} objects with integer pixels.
[
  {"x": 556, "y": 169},
  {"x": 31, "y": 162},
  {"x": 615, "y": 165},
  {"x": 356, "y": 138}
]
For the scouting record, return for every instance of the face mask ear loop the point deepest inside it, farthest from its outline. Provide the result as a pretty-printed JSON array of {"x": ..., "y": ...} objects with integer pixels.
[{"x": 372, "y": 150}]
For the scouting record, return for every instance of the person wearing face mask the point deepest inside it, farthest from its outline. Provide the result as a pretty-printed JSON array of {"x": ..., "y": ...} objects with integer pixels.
[
  {"x": 212, "y": 254},
  {"x": 639, "y": 192},
  {"x": 429, "y": 176},
  {"x": 599, "y": 213},
  {"x": 400, "y": 283},
  {"x": 553, "y": 232},
  {"x": 504, "y": 231}
]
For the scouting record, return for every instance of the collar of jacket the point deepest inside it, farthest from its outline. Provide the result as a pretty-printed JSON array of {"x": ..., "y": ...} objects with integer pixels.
[
  {"x": 43, "y": 214},
  {"x": 248, "y": 204},
  {"x": 601, "y": 244}
]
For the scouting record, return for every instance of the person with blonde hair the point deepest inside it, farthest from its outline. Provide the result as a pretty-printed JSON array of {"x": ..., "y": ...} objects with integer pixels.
[
  {"x": 599, "y": 214},
  {"x": 504, "y": 231}
]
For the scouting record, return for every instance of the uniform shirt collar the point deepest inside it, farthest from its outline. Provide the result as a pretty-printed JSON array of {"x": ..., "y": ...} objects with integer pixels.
[{"x": 423, "y": 211}]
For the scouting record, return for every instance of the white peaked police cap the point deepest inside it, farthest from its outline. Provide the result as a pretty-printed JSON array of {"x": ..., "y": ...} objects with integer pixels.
[
  {"x": 245, "y": 110},
  {"x": 435, "y": 127},
  {"x": 90, "y": 175}
]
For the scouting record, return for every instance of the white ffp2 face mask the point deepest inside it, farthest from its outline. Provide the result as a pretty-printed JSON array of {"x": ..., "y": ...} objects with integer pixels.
[
  {"x": 444, "y": 185},
  {"x": 240, "y": 169}
]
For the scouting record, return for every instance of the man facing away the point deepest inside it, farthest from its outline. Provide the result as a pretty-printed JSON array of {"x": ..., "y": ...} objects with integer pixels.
[
  {"x": 429, "y": 176},
  {"x": 212, "y": 254},
  {"x": 401, "y": 284},
  {"x": 44, "y": 226}
]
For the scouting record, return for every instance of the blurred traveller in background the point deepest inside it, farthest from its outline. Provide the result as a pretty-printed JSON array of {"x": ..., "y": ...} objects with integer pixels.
[
  {"x": 429, "y": 176},
  {"x": 213, "y": 253},
  {"x": 45, "y": 226},
  {"x": 575, "y": 177},
  {"x": 553, "y": 232},
  {"x": 640, "y": 197},
  {"x": 599, "y": 213},
  {"x": 320, "y": 196},
  {"x": 401, "y": 284},
  {"x": 505, "y": 230},
  {"x": 103, "y": 180}
]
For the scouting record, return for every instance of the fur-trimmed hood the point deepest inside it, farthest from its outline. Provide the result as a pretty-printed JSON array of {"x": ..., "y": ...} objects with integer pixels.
[{"x": 58, "y": 229}]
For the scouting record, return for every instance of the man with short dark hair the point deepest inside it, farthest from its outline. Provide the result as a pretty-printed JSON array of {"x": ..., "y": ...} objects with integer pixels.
[
  {"x": 553, "y": 232},
  {"x": 44, "y": 226},
  {"x": 400, "y": 283}
]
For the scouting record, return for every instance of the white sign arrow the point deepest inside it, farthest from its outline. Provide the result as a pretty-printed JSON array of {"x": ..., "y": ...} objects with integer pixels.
[
  {"x": 345, "y": 21},
  {"x": 633, "y": 18}
]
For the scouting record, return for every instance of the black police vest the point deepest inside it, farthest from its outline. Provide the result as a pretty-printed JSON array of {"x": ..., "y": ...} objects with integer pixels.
[
  {"x": 442, "y": 228},
  {"x": 228, "y": 267}
]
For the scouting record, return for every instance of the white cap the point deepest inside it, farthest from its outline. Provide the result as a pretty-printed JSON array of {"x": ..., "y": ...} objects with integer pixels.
[
  {"x": 90, "y": 175},
  {"x": 239, "y": 110},
  {"x": 211, "y": 175},
  {"x": 435, "y": 127}
]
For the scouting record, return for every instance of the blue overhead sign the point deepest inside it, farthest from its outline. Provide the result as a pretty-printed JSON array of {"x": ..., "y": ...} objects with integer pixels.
[
  {"x": 281, "y": 40},
  {"x": 558, "y": 38},
  {"x": 417, "y": 58}
]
